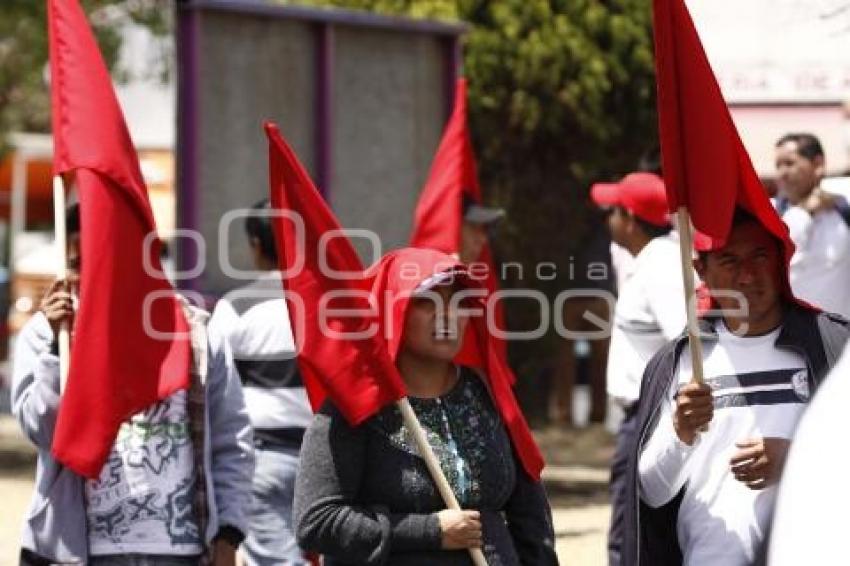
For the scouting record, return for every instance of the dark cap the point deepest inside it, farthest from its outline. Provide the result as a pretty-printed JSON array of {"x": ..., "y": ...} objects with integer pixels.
[{"x": 476, "y": 213}]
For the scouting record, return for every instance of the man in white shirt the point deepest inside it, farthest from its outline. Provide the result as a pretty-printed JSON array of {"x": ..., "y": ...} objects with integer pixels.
[
  {"x": 650, "y": 308},
  {"x": 818, "y": 223},
  {"x": 705, "y": 496}
]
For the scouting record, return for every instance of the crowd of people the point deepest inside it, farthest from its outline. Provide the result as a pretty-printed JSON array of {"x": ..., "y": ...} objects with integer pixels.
[
  {"x": 233, "y": 444},
  {"x": 258, "y": 436},
  {"x": 240, "y": 461},
  {"x": 697, "y": 468}
]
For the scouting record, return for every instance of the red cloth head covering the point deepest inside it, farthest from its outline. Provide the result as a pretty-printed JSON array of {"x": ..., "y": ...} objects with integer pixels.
[{"x": 392, "y": 281}]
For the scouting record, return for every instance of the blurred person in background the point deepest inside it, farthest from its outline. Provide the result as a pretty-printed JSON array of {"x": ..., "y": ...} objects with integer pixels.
[
  {"x": 650, "y": 310},
  {"x": 478, "y": 221},
  {"x": 819, "y": 223},
  {"x": 586, "y": 313},
  {"x": 254, "y": 319}
]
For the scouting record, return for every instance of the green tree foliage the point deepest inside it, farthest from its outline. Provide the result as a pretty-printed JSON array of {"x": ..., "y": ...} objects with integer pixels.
[
  {"x": 24, "y": 94},
  {"x": 561, "y": 95}
]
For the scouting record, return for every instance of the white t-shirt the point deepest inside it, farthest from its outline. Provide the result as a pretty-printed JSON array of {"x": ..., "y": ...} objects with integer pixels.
[
  {"x": 650, "y": 312},
  {"x": 759, "y": 392},
  {"x": 820, "y": 267},
  {"x": 623, "y": 262},
  {"x": 142, "y": 501},
  {"x": 810, "y": 524}
]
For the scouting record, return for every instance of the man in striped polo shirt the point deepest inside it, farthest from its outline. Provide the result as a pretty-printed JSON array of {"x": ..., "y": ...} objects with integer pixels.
[
  {"x": 255, "y": 320},
  {"x": 706, "y": 495}
]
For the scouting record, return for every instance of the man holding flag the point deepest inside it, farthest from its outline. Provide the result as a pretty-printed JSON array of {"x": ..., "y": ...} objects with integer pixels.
[
  {"x": 711, "y": 493},
  {"x": 714, "y": 428},
  {"x": 144, "y": 503},
  {"x": 144, "y": 454}
]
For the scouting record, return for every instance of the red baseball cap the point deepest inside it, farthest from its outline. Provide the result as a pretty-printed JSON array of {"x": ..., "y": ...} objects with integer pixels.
[{"x": 642, "y": 194}]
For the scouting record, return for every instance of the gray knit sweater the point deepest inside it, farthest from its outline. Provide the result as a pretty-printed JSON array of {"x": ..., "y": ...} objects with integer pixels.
[{"x": 364, "y": 496}]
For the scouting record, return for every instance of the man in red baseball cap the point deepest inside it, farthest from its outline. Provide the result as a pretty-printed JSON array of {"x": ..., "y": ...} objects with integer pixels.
[{"x": 650, "y": 309}]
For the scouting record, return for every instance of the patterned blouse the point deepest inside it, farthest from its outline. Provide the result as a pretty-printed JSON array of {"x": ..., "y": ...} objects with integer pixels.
[{"x": 462, "y": 428}]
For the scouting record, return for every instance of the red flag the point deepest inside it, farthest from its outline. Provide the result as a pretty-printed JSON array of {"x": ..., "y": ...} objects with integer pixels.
[
  {"x": 118, "y": 367},
  {"x": 439, "y": 212},
  {"x": 706, "y": 168},
  {"x": 438, "y": 216},
  {"x": 357, "y": 375}
]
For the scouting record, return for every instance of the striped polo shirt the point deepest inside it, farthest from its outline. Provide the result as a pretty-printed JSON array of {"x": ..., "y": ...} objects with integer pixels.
[{"x": 759, "y": 391}]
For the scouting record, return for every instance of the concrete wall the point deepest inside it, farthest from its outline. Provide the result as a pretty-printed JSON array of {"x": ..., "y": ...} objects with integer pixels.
[
  {"x": 387, "y": 108},
  {"x": 251, "y": 69},
  {"x": 388, "y": 117}
]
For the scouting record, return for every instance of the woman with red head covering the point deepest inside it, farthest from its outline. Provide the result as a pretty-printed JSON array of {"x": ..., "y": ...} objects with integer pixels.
[{"x": 365, "y": 496}]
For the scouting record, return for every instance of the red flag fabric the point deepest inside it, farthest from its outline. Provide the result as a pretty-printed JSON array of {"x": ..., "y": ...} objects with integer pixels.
[
  {"x": 439, "y": 213},
  {"x": 118, "y": 366},
  {"x": 706, "y": 167},
  {"x": 357, "y": 375},
  {"x": 438, "y": 216}
]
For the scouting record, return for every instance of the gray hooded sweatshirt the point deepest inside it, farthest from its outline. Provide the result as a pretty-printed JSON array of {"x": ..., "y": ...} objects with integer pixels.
[{"x": 55, "y": 526}]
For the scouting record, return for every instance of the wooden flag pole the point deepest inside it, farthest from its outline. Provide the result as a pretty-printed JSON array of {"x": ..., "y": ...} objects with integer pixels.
[
  {"x": 427, "y": 453},
  {"x": 64, "y": 337},
  {"x": 686, "y": 249}
]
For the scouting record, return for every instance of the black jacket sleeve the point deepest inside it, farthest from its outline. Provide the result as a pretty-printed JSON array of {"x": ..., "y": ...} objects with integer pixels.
[
  {"x": 649, "y": 536},
  {"x": 529, "y": 521}
]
